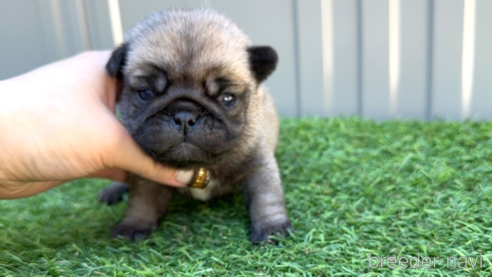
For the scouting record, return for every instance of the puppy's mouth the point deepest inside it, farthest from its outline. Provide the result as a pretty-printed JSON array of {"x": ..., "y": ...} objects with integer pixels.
[{"x": 184, "y": 155}]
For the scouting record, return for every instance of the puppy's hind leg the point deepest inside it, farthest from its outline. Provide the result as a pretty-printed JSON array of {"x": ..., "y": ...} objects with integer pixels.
[{"x": 114, "y": 193}]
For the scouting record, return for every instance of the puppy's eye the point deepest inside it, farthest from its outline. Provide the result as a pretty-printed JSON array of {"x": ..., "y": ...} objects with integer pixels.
[
  {"x": 227, "y": 99},
  {"x": 145, "y": 94}
]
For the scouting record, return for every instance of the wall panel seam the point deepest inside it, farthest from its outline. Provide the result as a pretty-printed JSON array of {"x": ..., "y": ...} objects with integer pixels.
[{"x": 297, "y": 63}]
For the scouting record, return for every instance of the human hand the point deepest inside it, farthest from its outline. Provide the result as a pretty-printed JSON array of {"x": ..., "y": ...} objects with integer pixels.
[{"x": 58, "y": 123}]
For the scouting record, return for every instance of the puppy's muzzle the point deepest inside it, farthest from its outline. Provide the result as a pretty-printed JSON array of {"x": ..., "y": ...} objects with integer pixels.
[
  {"x": 184, "y": 121},
  {"x": 185, "y": 114}
]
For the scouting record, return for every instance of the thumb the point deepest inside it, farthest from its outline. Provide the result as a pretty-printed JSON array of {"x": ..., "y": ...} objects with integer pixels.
[{"x": 130, "y": 157}]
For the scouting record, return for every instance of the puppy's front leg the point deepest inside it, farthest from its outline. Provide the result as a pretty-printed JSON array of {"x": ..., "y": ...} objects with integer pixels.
[
  {"x": 147, "y": 204},
  {"x": 264, "y": 199}
]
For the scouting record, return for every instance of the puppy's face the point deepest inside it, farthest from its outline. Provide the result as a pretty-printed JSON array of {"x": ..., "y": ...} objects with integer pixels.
[{"x": 187, "y": 86}]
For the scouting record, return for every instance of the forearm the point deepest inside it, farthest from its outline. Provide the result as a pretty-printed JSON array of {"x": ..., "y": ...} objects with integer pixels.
[{"x": 14, "y": 190}]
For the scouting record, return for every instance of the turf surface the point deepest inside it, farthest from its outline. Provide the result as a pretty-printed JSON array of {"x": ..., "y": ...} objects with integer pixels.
[{"x": 353, "y": 187}]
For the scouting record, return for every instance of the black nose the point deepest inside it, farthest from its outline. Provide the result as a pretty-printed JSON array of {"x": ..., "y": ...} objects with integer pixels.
[{"x": 184, "y": 120}]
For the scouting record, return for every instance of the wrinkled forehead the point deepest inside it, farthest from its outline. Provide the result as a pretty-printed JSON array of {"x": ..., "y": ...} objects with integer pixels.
[{"x": 193, "y": 56}]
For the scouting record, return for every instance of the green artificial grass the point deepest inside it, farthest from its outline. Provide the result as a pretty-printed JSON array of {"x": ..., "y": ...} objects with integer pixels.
[{"x": 353, "y": 187}]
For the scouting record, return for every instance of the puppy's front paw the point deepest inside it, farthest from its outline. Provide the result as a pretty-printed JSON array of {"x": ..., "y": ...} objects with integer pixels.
[
  {"x": 133, "y": 230},
  {"x": 114, "y": 193},
  {"x": 262, "y": 233}
]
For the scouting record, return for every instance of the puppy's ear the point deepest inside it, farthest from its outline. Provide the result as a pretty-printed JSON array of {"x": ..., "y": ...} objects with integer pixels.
[
  {"x": 262, "y": 61},
  {"x": 117, "y": 61}
]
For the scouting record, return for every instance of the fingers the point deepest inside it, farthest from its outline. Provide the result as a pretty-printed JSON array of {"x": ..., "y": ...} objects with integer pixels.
[
  {"x": 125, "y": 154},
  {"x": 95, "y": 62},
  {"x": 128, "y": 156}
]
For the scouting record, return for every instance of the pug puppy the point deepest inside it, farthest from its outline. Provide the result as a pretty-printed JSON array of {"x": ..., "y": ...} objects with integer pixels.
[{"x": 191, "y": 98}]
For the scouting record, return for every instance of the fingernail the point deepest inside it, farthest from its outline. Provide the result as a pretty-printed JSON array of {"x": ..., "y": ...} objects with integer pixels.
[{"x": 184, "y": 177}]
